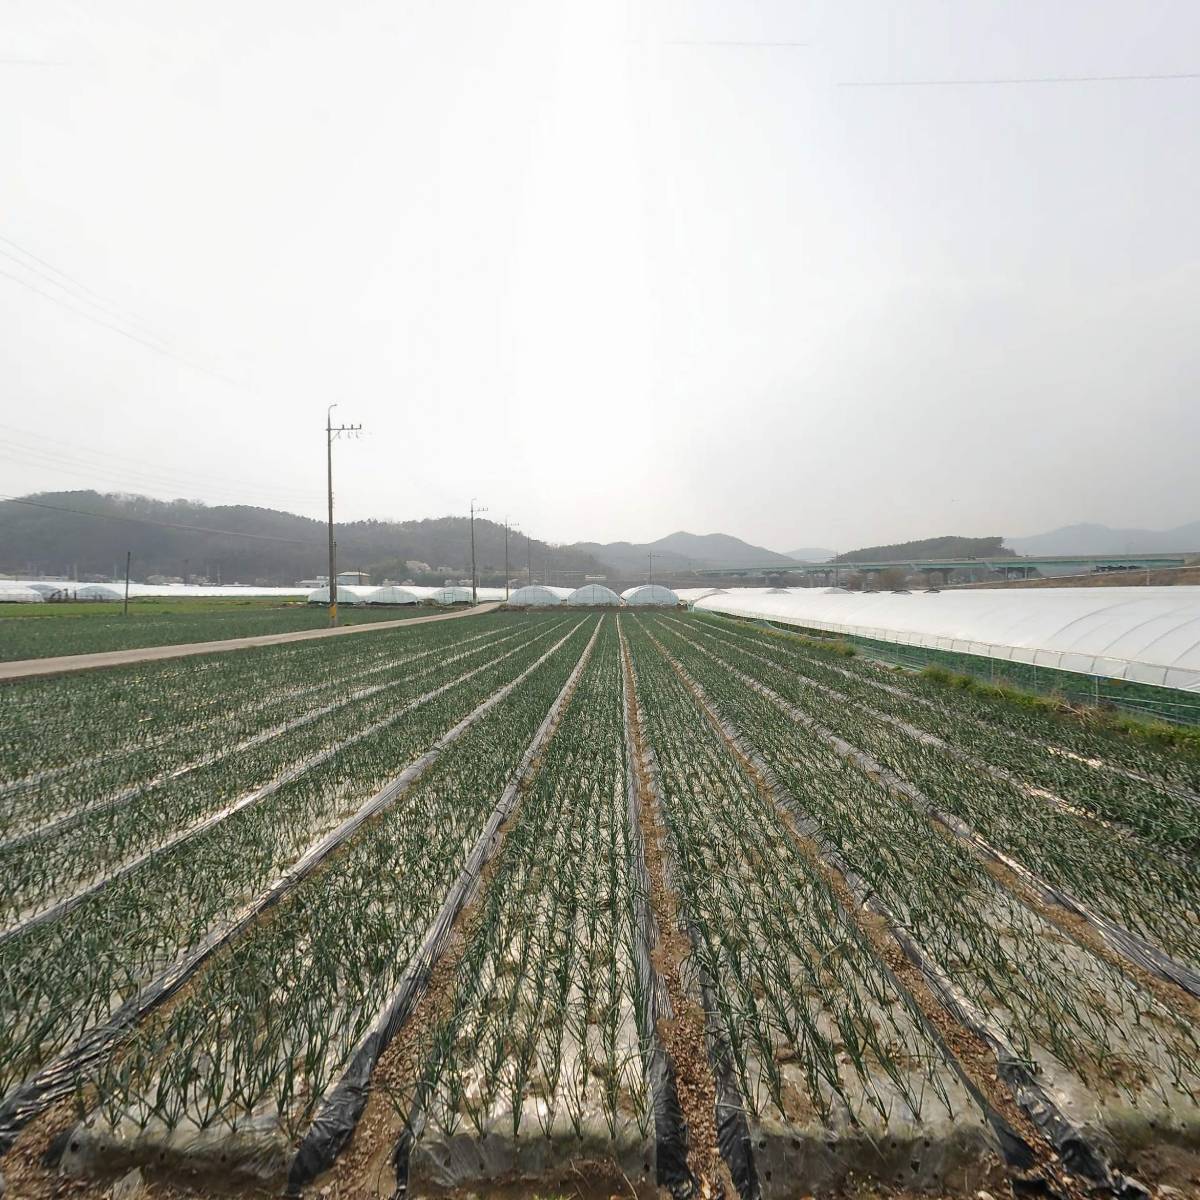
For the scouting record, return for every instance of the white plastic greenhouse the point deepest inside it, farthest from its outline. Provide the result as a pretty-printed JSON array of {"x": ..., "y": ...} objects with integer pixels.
[
  {"x": 538, "y": 595},
  {"x": 691, "y": 595},
  {"x": 346, "y": 594},
  {"x": 11, "y": 594},
  {"x": 451, "y": 595},
  {"x": 651, "y": 594},
  {"x": 593, "y": 595},
  {"x": 392, "y": 594},
  {"x": 69, "y": 590},
  {"x": 100, "y": 591},
  {"x": 1143, "y": 634}
]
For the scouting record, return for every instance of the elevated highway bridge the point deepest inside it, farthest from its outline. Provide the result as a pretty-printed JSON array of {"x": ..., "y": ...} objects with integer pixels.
[{"x": 1010, "y": 567}]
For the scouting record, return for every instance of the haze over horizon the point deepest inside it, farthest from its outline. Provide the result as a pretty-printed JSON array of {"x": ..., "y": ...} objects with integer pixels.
[{"x": 615, "y": 270}]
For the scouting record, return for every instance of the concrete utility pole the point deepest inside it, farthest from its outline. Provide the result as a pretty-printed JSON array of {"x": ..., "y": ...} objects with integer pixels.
[
  {"x": 474, "y": 576},
  {"x": 505, "y": 560},
  {"x": 528, "y": 560},
  {"x": 651, "y": 568},
  {"x": 332, "y": 431},
  {"x": 128, "y": 559}
]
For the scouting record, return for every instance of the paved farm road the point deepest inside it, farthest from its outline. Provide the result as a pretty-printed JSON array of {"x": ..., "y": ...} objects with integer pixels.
[{"x": 28, "y": 668}]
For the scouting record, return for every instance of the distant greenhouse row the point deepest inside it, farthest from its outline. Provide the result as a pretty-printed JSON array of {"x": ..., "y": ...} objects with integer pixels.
[
  {"x": 593, "y": 595},
  {"x": 590, "y": 595},
  {"x": 393, "y": 594},
  {"x": 36, "y": 591}
]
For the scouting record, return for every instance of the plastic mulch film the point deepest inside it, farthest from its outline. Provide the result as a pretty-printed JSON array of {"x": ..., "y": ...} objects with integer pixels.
[
  {"x": 1130, "y": 945},
  {"x": 1015, "y": 1151},
  {"x": 671, "y": 1135},
  {"x": 733, "y": 1130},
  {"x": 58, "y": 1079},
  {"x": 1080, "y": 1154},
  {"x": 343, "y": 1105}
]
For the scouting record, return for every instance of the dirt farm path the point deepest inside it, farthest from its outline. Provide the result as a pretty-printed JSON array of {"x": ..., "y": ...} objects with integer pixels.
[{"x": 28, "y": 668}]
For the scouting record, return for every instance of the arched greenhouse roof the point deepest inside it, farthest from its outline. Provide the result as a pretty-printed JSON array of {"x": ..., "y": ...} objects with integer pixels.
[
  {"x": 538, "y": 595},
  {"x": 691, "y": 595},
  {"x": 1143, "y": 634},
  {"x": 392, "y": 594},
  {"x": 10, "y": 594},
  {"x": 100, "y": 591},
  {"x": 346, "y": 594},
  {"x": 651, "y": 594},
  {"x": 593, "y": 594},
  {"x": 451, "y": 595}
]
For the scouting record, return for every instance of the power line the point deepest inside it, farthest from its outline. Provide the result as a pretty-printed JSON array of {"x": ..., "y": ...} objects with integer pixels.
[
  {"x": 117, "y": 329},
  {"x": 83, "y": 512},
  {"x": 882, "y": 83},
  {"x": 92, "y": 473},
  {"x": 716, "y": 42},
  {"x": 75, "y": 460},
  {"x": 88, "y": 295},
  {"x": 74, "y": 451}
]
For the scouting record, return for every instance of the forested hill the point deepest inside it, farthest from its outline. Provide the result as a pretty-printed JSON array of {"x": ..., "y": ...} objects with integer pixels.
[
  {"x": 938, "y": 547},
  {"x": 248, "y": 545}
]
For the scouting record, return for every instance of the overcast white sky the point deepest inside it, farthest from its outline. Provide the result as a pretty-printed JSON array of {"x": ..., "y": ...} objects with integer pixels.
[{"x": 607, "y": 266}]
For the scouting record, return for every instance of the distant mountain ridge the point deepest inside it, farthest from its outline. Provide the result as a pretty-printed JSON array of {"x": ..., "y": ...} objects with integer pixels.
[
  {"x": 1088, "y": 538},
  {"x": 86, "y": 533},
  {"x": 936, "y": 547},
  {"x": 682, "y": 551},
  {"x": 55, "y": 533}
]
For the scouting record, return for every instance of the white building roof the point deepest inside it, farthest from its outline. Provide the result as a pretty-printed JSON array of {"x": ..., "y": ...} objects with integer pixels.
[{"x": 1145, "y": 634}]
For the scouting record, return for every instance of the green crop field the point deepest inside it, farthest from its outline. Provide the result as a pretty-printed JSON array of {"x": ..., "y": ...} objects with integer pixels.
[
  {"x": 579, "y": 903},
  {"x": 86, "y": 627}
]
